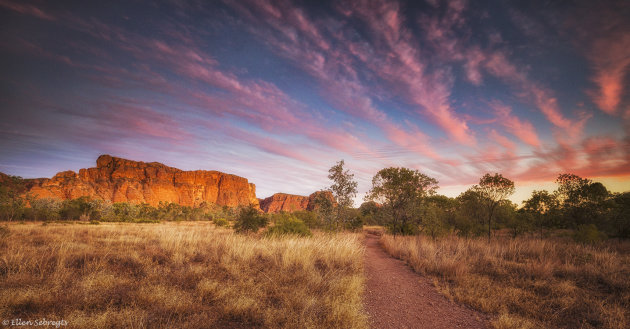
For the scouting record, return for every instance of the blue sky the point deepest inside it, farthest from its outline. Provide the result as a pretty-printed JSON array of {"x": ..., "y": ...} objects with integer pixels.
[{"x": 278, "y": 91}]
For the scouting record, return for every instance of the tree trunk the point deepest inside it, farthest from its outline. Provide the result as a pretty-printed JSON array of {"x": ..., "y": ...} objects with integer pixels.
[
  {"x": 490, "y": 221},
  {"x": 490, "y": 213}
]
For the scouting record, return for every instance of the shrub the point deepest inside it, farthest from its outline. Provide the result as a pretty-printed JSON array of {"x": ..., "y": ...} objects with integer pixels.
[
  {"x": 289, "y": 225},
  {"x": 220, "y": 222},
  {"x": 250, "y": 220},
  {"x": 588, "y": 234},
  {"x": 75, "y": 209},
  {"x": 355, "y": 223},
  {"x": 309, "y": 218},
  {"x": 46, "y": 209},
  {"x": 146, "y": 221},
  {"x": 403, "y": 229}
]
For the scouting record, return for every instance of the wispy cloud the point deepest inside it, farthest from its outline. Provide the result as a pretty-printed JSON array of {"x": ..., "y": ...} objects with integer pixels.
[
  {"x": 603, "y": 35},
  {"x": 27, "y": 9},
  {"x": 499, "y": 66},
  {"x": 522, "y": 129}
]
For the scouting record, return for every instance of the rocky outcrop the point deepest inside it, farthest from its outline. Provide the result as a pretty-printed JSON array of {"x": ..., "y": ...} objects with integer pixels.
[
  {"x": 291, "y": 202},
  {"x": 120, "y": 180}
]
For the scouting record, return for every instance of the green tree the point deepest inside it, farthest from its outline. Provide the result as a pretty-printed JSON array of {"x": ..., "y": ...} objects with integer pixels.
[
  {"x": 542, "y": 206},
  {"x": 354, "y": 220},
  {"x": 308, "y": 217},
  {"x": 574, "y": 190},
  {"x": 506, "y": 215},
  {"x": 250, "y": 220},
  {"x": 493, "y": 189},
  {"x": 45, "y": 209},
  {"x": 371, "y": 213},
  {"x": 12, "y": 204},
  {"x": 432, "y": 221},
  {"x": 619, "y": 214},
  {"x": 401, "y": 191},
  {"x": 438, "y": 215},
  {"x": 582, "y": 201},
  {"x": 125, "y": 212},
  {"x": 75, "y": 209},
  {"x": 325, "y": 210},
  {"x": 344, "y": 189},
  {"x": 470, "y": 214}
]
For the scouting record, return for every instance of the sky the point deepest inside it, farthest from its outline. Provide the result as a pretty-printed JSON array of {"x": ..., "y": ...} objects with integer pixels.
[{"x": 279, "y": 91}]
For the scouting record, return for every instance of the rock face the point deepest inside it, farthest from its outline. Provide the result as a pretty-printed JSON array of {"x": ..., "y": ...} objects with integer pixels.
[
  {"x": 120, "y": 180},
  {"x": 291, "y": 202}
]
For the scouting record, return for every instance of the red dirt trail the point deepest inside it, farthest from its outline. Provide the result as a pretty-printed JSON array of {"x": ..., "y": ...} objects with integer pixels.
[{"x": 396, "y": 297}]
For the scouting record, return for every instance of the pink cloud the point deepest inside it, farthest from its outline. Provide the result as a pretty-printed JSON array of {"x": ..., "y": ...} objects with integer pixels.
[
  {"x": 524, "y": 130},
  {"x": 334, "y": 68},
  {"x": 128, "y": 119},
  {"x": 549, "y": 106},
  {"x": 20, "y": 45},
  {"x": 601, "y": 156},
  {"x": 415, "y": 140},
  {"x": 610, "y": 85},
  {"x": 501, "y": 140},
  {"x": 499, "y": 65},
  {"x": 403, "y": 69},
  {"x": 267, "y": 144},
  {"x": 474, "y": 59},
  {"x": 611, "y": 61},
  {"x": 257, "y": 101},
  {"x": 601, "y": 33},
  {"x": 27, "y": 9}
]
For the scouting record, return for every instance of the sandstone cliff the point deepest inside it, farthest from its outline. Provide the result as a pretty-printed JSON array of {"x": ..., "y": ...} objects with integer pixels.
[
  {"x": 120, "y": 180},
  {"x": 291, "y": 202}
]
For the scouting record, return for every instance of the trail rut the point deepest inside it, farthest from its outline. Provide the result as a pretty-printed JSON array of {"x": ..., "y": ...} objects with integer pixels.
[{"x": 396, "y": 297}]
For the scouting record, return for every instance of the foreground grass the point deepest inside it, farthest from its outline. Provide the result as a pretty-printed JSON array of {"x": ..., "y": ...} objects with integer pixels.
[
  {"x": 187, "y": 275},
  {"x": 526, "y": 283}
]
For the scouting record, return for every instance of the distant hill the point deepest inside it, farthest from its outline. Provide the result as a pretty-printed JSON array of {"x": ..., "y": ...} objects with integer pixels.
[
  {"x": 291, "y": 202},
  {"x": 121, "y": 180}
]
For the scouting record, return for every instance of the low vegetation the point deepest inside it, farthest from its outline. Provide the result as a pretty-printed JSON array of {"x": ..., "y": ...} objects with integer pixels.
[
  {"x": 250, "y": 220},
  {"x": 288, "y": 224},
  {"x": 179, "y": 275},
  {"x": 525, "y": 282}
]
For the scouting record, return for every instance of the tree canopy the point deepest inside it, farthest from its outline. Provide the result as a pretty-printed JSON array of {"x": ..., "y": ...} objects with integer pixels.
[
  {"x": 401, "y": 191},
  {"x": 493, "y": 189}
]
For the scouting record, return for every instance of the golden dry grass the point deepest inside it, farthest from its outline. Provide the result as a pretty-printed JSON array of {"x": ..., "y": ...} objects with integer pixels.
[
  {"x": 526, "y": 283},
  {"x": 179, "y": 275}
]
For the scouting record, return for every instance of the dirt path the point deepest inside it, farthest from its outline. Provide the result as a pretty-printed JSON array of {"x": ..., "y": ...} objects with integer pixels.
[{"x": 396, "y": 297}]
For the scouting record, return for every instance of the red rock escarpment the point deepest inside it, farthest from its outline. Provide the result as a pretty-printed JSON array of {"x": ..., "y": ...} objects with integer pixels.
[
  {"x": 120, "y": 180},
  {"x": 291, "y": 202}
]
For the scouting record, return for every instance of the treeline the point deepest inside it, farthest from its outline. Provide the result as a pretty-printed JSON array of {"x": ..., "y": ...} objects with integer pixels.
[
  {"x": 401, "y": 199},
  {"x": 405, "y": 202},
  {"x": 84, "y": 208}
]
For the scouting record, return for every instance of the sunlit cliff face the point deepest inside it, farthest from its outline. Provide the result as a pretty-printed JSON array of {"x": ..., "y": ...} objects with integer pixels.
[{"x": 277, "y": 92}]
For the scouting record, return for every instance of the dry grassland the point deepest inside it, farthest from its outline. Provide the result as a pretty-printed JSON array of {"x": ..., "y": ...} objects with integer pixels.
[
  {"x": 527, "y": 283},
  {"x": 179, "y": 275}
]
